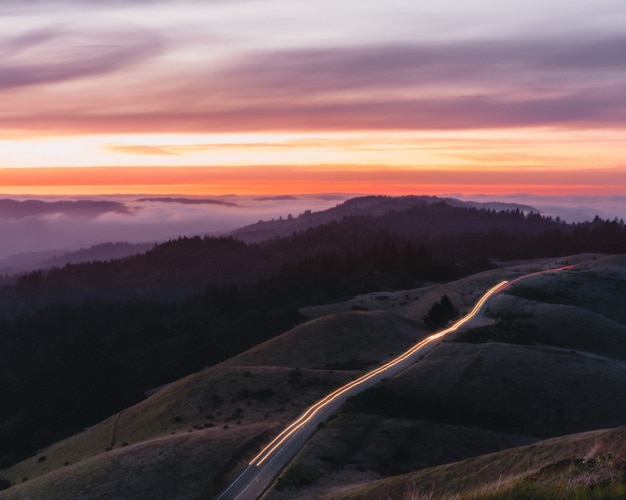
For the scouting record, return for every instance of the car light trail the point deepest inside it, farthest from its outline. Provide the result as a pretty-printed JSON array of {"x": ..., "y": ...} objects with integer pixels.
[
  {"x": 313, "y": 410},
  {"x": 266, "y": 465}
]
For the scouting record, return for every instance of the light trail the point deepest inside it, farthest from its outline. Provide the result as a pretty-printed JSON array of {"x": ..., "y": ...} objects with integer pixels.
[
  {"x": 266, "y": 465},
  {"x": 313, "y": 410}
]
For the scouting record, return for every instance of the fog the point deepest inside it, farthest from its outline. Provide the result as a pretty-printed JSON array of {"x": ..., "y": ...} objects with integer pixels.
[
  {"x": 70, "y": 224},
  {"x": 570, "y": 208},
  {"x": 66, "y": 224}
]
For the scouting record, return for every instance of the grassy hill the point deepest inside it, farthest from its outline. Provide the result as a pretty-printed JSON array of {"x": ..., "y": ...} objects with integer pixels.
[
  {"x": 190, "y": 436},
  {"x": 590, "y": 465},
  {"x": 549, "y": 364},
  {"x": 480, "y": 415}
]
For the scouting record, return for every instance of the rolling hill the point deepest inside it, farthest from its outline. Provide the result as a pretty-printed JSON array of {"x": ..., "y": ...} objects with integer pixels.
[
  {"x": 530, "y": 399},
  {"x": 363, "y": 206}
]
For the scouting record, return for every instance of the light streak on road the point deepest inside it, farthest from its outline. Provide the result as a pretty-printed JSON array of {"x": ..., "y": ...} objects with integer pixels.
[
  {"x": 264, "y": 467},
  {"x": 317, "y": 407}
]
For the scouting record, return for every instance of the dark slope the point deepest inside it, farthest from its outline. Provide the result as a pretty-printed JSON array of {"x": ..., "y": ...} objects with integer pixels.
[
  {"x": 366, "y": 205},
  {"x": 578, "y": 466},
  {"x": 550, "y": 366},
  {"x": 478, "y": 394},
  {"x": 22, "y": 263},
  {"x": 188, "y": 436}
]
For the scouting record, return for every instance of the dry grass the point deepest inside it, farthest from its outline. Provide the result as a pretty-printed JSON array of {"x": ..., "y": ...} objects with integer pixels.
[
  {"x": 519, "y": 390},
  {"x": 253, "y": 394},
  {"x": 544, "y": 468},
  {"x": 188, "y": 438},
  {"x": 363, "y": 337},
  {"x": 226, "y": 406}
]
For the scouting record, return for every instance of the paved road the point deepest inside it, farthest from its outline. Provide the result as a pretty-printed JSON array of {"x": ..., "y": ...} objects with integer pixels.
[{"x": 268, "y": 463}]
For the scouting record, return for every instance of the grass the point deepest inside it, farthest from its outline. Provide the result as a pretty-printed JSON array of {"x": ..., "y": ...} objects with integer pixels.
[
  {"x": 339, "y": 340},
  {"x": 248, "y": 401},
  {"x": 583, "y": 466},
  {"x": 231, "y": 403},
  {"x": 542, "y": 370},
  {"x": 574, "y": 479},
  {"x": 190, "y": 437},
  {"x": 296, "y": 476}
]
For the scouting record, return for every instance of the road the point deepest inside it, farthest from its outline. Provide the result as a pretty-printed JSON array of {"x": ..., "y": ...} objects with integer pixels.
[{"x": 272, "y": 459}]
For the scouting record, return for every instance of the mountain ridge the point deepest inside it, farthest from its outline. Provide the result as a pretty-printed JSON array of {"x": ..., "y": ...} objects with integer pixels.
[{"x": 364, "y": 205}]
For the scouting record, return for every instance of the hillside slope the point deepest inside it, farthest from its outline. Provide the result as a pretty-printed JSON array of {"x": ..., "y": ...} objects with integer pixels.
[
  {"x": 585, "y": 465},
  {"x": 548, "y": 363},
  {"x": 541, "y": 368},
  {"x": 365, "y": 205},
  {"x": 204, "y": 424}
]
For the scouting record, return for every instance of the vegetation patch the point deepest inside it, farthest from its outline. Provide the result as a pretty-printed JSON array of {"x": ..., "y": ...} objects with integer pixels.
[
  {"x": 598, "y": 478},
  {"x": 296, "y": 476},
  {"x": 440, "y": 314},
  {"x": 261, "y": 394}
]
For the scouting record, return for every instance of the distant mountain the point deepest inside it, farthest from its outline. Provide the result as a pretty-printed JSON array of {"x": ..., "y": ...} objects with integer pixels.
[
  {"x": 366, "y": 205},
  {"x": 26, "y": 262},
  {"x": 188, "y": 201},
  {"x": 15, "y": 209},
  {"x": 378, "y": 240},
  {"x": 101, "y": 252}
]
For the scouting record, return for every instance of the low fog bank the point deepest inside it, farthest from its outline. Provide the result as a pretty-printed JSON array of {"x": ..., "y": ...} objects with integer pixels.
[
  {"x": 570, "y": 208},
  {"x": 55, "y": 224},
  {"x": 67, "y": 224}
]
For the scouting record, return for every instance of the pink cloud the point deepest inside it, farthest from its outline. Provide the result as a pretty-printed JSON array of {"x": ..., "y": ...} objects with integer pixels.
[{"x": 471, "y": 85}]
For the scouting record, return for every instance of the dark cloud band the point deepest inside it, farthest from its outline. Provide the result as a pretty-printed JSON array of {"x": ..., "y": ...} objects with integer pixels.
[{"x": 57, "y": 54}]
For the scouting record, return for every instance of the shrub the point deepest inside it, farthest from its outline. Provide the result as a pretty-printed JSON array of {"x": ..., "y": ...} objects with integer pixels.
[{"x": 440, "y": 314}]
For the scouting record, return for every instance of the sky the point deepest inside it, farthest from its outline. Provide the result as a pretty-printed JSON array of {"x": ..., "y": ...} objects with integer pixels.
[
  {"x": 271, "y": 107},
  {"x": 216, "y": 97}
]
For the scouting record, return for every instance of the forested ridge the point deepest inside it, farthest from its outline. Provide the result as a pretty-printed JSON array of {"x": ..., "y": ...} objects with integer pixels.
[{"x": 86, "y": 340}]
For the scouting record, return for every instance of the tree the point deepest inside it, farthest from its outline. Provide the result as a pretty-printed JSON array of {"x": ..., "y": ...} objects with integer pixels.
[{"x": 440, "y": 314}]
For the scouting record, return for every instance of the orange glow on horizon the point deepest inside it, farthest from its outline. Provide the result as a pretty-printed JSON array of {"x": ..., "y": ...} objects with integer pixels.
[{"x": 265, "y": 180}]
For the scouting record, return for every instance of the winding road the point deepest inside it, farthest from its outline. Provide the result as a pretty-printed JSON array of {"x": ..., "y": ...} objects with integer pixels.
[{"x": 271, "y": 460}]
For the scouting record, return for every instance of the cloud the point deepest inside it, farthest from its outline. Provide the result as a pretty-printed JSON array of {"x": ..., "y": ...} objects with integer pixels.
[
  {"x": 285, "y": 197},
  {"x": 488, "y": 63},
  {"x": 143, "y": 149},
  {"x": 45, "y": 224},
  {"x": 188, "y": 201},
  {"x": 57, "y": 54},
  {"x": 577, "y": 109},
  {"x": 446, "y": 86},
  {"x": 15, "y": 209},
  {"x": 17, "y": 7}
]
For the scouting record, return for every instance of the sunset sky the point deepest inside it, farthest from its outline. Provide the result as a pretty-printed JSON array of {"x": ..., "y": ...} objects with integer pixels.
[{"x": 285, "y": 96}]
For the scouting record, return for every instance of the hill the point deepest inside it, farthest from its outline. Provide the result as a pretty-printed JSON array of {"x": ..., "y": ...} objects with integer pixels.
[
  {"x": 490, "y": 389},
  {"x": 86, "y": 340},
  {"x": 22, "y": 263},
  {"x": 211, "y": 420},
  {"x": 586, "y": 465},
  {"x": 366, "y": 205},
  {"x": 72, "y": 334},
  {"x": 542, "y": 368}
]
